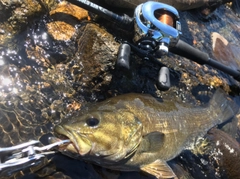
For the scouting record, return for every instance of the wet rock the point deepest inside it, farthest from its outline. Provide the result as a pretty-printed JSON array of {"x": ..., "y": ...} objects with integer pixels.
[
  {"x": 225, "y": 153},
  {"x": 16, "y": 15},
  {"x": 64, "y": 19},
  {"x": 91, "y": 69},
  {"x": 226, "y": 52}
]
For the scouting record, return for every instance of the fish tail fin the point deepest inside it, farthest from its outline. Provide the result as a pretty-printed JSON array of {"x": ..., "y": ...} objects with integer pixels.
[{"x": 224, "y": 107}]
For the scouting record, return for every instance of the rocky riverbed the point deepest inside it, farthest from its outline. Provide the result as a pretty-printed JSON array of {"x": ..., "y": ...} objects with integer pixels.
[{"x": 55, "y": 57}]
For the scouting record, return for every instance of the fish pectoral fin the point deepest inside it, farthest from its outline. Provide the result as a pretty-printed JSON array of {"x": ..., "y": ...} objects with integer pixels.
[
  {"x": 160, "y": 169},
  {"x": 151, "y": 142}
]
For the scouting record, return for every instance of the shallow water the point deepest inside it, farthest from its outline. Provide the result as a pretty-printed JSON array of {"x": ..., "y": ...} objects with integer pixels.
[{"x": 44, "y": 79}]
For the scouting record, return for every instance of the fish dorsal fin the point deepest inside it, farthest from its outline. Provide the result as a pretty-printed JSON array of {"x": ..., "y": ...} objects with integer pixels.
[
  {"x": 159, "y": 169},
  {"x": 151, "y": 142}
]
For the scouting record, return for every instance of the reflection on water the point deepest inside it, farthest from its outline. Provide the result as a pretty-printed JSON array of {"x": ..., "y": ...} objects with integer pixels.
[{"x": 9, "y": 83}]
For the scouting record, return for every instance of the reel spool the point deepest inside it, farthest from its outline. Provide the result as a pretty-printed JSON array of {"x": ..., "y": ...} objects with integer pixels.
[
  {"x": 158, "y": 23},
  {"x": 156, "y": 27}
]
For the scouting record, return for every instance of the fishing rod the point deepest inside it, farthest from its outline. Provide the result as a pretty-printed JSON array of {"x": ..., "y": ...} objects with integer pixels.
[
  {"x": 122, "y": 21},
  {"x": 156, "y": 32}
]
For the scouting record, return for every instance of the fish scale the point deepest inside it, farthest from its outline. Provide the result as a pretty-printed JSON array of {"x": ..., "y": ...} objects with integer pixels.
[{"x": 147, "y": 133}]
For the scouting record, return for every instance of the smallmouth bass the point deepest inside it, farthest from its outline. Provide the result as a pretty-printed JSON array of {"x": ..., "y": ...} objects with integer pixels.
[{"x": 136, "y": 132}]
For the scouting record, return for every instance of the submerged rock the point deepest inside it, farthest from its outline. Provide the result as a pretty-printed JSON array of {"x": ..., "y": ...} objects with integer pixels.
[
  {"x": 16, "y": 15},
  {"x": 225, "y": 153},
  {"x": 226, "y": 52}
]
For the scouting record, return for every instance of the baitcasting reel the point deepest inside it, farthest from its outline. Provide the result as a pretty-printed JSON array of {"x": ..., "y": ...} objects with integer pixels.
[{"x": 156, "y": 28}]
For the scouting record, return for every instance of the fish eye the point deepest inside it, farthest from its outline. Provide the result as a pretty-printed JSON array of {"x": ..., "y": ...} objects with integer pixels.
[{"x": 92, "y": 122}]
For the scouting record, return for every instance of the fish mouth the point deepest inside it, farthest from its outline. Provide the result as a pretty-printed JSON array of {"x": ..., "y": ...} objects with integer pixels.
[{"x": 79, "y": 144}]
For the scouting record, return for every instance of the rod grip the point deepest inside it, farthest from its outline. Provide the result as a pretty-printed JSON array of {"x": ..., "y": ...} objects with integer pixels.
[{"x": 185, "y": 50}]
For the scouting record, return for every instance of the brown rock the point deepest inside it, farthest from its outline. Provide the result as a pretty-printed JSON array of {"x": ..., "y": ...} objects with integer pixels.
[{"x": 63, "y": 28}]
